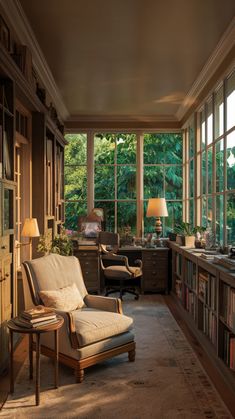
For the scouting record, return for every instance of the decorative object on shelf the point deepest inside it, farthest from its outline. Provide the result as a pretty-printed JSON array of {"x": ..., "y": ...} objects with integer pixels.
[
  {"x": 60, "y": 244},
  {"x": 30, "y": 229},
  {"x": 210, "y": 239},
  {"x": 5, "y": 37},
  {"x": 126, "y": 238},
  {"x": 199, "y": 233},
  {"x": 157, "y": 208}
]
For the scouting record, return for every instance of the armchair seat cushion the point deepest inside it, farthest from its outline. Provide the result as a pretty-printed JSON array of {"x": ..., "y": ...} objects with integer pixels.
[
  {"x": 121, "y": 272},
  {"x": 93, "y": 325}
]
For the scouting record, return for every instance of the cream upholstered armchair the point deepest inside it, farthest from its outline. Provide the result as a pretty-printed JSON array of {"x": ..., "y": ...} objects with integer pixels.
[{"x": 92, "y": 333}]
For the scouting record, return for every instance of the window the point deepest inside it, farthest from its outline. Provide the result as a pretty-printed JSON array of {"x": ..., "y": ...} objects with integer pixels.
[
  {"x": 163, "y": 176},
  {"x": 216, "y": 162},
  {"x": 117, "y": 181},
  {"x": 75, "y": 178}
]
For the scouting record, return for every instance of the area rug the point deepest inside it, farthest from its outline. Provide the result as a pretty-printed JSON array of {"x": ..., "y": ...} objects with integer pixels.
[{"x": 165, "y": 382}]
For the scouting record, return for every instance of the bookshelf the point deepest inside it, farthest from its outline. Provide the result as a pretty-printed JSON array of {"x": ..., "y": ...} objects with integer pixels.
[{"x": 205, "y": 295}]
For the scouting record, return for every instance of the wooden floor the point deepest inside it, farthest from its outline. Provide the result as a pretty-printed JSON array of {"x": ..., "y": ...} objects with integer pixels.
[{"x": 225, "y": 392}]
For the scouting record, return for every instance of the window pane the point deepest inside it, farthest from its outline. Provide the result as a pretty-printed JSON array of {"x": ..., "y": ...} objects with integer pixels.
[
  {"x": 126, "y": 182},
  {"x": 209, "y": 169},
  {"x": 219, "y": 218},
  {"x": 209, "y": 123},
  {"x": 173, "y": 182},
  {"x": 72, "y": 211},
  {"x": 204, "y": 215},
  {"x": 174, "y": 216},
  {"x": 231, "y": 219},
  {"x": 231, "y": 161},
  {"x": 191, "y": 142},
  {"x": 191, "y": 211},
  {"x": 104, "y": 182},
  {"x": 163, "y": 148},
  {"x": 219, "y": 156},
  {"x": 126, "y": 148},
  {"x": 126, "y": 216},
  {"x": 104, "y": 148},
  {"x": 209, "y": 212},
  {"x": 76, "y": 150},
  {"x": 109, "y": 214},
  {"x": 75, "y": 179},
  {"x": 204, "y": 172},
  {"x": 219, "y": 113},
  {"x": 153, "y": 181},
  {"x": 203, "y": 130},
  {"x": 191, "y": 179},
  {"x": 230, "y": 98}
]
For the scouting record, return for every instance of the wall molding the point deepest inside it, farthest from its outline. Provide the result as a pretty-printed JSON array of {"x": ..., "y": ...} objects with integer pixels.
[
  {"x": 18, "y": 20},
  {"x": 219, "y": 54}
]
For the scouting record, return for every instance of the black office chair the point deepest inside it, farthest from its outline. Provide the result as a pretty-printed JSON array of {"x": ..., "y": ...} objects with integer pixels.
[{"x": 119, "y": 276}]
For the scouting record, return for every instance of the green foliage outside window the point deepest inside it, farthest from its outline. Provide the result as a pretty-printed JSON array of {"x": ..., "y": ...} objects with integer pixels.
[{"x": 115, "y": 161}]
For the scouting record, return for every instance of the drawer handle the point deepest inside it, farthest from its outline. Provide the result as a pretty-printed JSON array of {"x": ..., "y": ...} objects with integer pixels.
[
  {"x": 3, "y": 247},
  {"x": 7, "y": 275}
]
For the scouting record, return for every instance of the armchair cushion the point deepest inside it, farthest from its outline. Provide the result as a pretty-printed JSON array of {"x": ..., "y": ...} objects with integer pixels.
[
  {"x": 121, "y": 272},
  {"x": 66, "y": 299},
  {"x": 95, "y": 325}
]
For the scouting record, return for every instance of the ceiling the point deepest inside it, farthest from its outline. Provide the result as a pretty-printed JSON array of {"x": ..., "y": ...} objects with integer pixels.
[{"x": 127, "y": 57}]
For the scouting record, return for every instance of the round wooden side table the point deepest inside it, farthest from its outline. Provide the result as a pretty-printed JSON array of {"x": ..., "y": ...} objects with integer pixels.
[{"x": 37, "y": 332}]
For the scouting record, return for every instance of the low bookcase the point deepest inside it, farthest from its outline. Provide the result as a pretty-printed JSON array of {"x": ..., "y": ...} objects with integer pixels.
[{"x": 205, "y": 296}]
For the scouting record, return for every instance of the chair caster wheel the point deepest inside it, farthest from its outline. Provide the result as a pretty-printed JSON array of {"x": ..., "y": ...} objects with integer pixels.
[{"x": 137, "y": 297}]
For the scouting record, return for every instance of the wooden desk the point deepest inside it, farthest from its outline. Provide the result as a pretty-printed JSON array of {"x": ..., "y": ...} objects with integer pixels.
[
  {"x": 37, "y": 331},
  {"x": 155, "y": 267}
]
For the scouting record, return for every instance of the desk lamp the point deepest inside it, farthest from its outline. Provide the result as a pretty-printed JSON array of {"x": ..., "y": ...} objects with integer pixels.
[{"x": 157, "y": 208}]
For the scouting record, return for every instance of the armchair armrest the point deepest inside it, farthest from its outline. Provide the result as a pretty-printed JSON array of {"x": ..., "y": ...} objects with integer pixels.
[
  {"x": 103, "y": 303},
  {"x": 69, "y": 326}
]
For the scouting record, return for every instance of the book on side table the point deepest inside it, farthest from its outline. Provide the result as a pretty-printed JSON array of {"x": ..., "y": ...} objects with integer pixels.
[{"x": 38, "y": 316}]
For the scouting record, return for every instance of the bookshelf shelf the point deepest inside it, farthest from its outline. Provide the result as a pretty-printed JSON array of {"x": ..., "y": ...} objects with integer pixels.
[{"x": 205, "y": 294}]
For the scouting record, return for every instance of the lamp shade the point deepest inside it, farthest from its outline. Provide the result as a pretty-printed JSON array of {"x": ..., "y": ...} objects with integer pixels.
[
  {"x": 157, "y": 207},
  {"x": 30, "y": 228}
]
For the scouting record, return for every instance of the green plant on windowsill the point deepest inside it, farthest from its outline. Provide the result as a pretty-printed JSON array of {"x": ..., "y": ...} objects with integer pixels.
[
  {"x": 186, "y": 233},
  {"x": 60, "y": 244}
]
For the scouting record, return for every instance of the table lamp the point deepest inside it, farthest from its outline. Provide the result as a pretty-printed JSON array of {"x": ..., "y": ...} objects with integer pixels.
[
  {"x": 157, "y": 208},
  {"x": 30, "y": 229}
]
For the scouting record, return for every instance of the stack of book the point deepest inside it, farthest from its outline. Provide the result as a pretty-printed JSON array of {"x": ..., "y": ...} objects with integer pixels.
[
  {"x": 226, "y": 262},
  {"x": 36, "y": 317}
]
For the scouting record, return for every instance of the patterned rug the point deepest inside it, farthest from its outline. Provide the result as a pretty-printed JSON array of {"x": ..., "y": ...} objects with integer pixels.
[{"x": 165, "y": 382}]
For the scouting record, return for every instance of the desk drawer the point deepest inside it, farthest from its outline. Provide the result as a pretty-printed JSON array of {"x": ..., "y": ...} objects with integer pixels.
[{"x": 155, "y": 284}]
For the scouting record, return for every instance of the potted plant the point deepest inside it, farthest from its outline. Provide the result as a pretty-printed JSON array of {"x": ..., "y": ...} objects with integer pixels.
[{"x": 185, "y": 234}]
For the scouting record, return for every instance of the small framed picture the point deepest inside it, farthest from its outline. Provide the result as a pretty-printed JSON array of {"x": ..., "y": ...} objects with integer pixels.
[{"x": 5, "y": 34}]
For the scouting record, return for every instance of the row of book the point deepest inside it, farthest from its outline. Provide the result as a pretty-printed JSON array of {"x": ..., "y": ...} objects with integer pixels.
[
  {"x": 229, "y": 349},
  {"x": 227, "y": 309},
  {"x": 36, "y": 317},
  {"x": 190, "y": 274},
  {"x": 210, "y": 325},
  {"x": 178, "y": 264},
  {"x": 207, "y": 289},
  {"x": 190, "y": 302}
]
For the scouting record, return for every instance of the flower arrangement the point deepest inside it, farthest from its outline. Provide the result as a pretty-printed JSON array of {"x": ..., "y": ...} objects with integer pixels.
[{"x": 60, "y": 244}]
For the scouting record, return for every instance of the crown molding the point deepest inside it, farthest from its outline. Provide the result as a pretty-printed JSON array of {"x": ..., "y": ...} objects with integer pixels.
[
  {"x": 120, "y": 118},
  {"x": 18, "y": 20},
  {"x": 219, "y": 54},
  {"x": 121, "y": 122}
]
